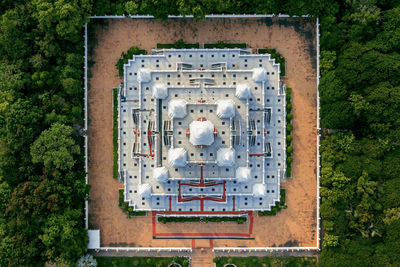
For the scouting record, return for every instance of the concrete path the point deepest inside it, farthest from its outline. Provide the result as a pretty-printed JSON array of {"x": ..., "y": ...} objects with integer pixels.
[{"x": 202, "y": 257}]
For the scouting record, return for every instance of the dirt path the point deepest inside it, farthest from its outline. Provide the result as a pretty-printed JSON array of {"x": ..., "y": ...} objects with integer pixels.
[{"x": 293, "y": 38}]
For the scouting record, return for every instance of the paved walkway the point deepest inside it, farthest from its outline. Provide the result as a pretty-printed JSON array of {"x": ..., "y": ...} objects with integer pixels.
[
  {"x": 202, "y": 253},
  {"x": 293, "y": 38}
]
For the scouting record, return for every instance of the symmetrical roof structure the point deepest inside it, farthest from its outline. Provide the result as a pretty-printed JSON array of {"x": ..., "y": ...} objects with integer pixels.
[{"x": 202, "y": 132}]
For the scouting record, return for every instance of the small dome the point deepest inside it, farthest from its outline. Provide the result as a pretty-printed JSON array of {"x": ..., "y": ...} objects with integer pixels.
[
  {"x": 144, "y": 75},
  {"x": 160, "y": 174},
  {"x": 243, "y": 174},
  {"x": 226, "y": 109},
  {"x": 225, "y": 157},
  {"x": 201, "y": 133},
  {"x": 259, "y": 75},
  {"x": 258, "y": 190},
  {"x": 243, "y": 91},
  {"x": 177, "y": 157},
  {"x": 177, "y": 109},
  {"x": 160, "y": 91},
  {"x": 144, "y": 190}
]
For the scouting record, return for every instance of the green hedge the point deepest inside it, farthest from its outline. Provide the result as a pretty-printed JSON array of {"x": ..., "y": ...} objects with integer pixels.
[
  {"x": 277, "y": 56},
  {"x": 134, "y": 50},
  {"x": 266, "y": 261},
  {"x": 115, "y": 132},
  {"x": 140, "y": 261},
  {"x": 221, "y": 44},
  {"x": 178, "y": 45},
  {"x": 126, "y": 208},
  {"x": 289, "y": 129},
  {"x": 239, "y": 220},
  {"x": 279, "y": 205}
]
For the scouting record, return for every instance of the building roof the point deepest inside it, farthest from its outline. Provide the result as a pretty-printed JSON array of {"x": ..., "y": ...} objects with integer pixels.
[
  {"x": 177, "y": 109},
  {"x": 226, "y": 109},
  {"x": 243, "y": 91},
  {"x": 160, "y": 174},
  {"x": 144, "y": 75},
  {"x": 201, "y": 133},
  {"x": 226, "y": 157},
  {"x": 177, "y": 157},
  {"x": 243, "y": 174},
  {"x": 144, "y": 190},
  {"x": 258, "y": 190},
  {"x": 160, "y": 91},
  {"x": 164, "y": 93},
  {"x": 259, "y": 75},
  {"x": 94, "y": 239}
]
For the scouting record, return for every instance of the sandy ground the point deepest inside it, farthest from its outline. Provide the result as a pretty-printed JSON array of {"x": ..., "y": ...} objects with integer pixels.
[{"x": 293, "y": 38}]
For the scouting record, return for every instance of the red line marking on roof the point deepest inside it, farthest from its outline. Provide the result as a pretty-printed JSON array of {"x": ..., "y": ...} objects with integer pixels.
[{"x": 193, "y": 243}]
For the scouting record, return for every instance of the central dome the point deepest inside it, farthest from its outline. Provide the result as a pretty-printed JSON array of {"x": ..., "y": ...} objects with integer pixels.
[{"x": 201, "y": 133}]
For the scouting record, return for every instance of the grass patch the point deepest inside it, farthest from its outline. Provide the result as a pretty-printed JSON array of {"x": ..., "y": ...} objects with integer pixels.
[
  {"x": 140, "y": 261},
  {"x": 279, "y": 205},
  {"x": 221, "y": 44},
  {"x": 178, "y": 45},
  {"x": 115, "y": 133},
  {"x": 277, "y": 56},
  {"x": 126, "y": 208},
  {"x": 266, "y": 261},
  {"x": 239, "y": 220},
  {"x": 134, "y": 50},
  {"x": 289, "y": 129}
]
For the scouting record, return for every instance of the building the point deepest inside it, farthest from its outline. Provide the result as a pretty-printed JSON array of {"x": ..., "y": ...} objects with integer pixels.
[{"x": 202, "y": 132}]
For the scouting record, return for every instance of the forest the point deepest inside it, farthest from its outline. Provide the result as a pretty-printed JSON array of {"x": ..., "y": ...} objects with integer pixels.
[{"x": 42, "y": 178}]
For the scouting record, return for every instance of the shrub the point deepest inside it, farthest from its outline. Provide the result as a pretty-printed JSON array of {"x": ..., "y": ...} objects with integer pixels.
[
  {"x": 288, "y": 107},
  {"x": 178, "y": 45},
  {"x": 115, "y": 132},
  {"x": 126, "y": 208},
  {"x": 289, "y": 117},
  {"x": 289, "y": 138},
  {"x": 289, "y": 160},
  {"x": 134, "y": 50},
  {"x": 289, "y": 150},
  {"x": 278, "y": 206},
  {"x": 288, "y": 171},
  {"x": 277, "y": 56},
  {"x": 289, "y": 127},
  {"x": 221, "y": 44}
]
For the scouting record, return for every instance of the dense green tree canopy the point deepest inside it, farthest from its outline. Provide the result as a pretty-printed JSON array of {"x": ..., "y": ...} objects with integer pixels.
[
  {"x": 55, "y": 148},
  {"x": 42, "y": 184}
]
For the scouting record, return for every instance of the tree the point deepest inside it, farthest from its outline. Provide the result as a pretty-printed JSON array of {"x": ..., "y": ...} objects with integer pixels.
[
  {"x": 64, "y": 237},
  {"x": 87, "y": 261},
  {"x": 55, "y": 148}
]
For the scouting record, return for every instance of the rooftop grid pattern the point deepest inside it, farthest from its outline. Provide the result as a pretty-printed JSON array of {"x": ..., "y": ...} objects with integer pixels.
[{"x": 149, "y": 130}]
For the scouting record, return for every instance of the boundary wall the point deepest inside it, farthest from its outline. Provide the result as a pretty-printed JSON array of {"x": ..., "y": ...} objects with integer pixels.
[{"x": 222, "y": 249}]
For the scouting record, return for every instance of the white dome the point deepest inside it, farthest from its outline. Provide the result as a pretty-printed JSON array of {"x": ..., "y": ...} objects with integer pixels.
[
  {"x": 177, "y": 157},
  {"x": 160, "y": 174},
  {"x": 225, "y": 157},
  {"x": 144, "y": 75},
  {"x": 144, "y": 190},
  {"x": 160, "y": 91},
  {"x": 258, "y": 190},
  {"x": 225, "y": 109},
  {"x": 243, "y": 174},
  {"x": 243, "y": 91},
  {"x": 259, "y": 75},
  {"x": 201, "y": 133},
  {"x": 177, "y": 109}
]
